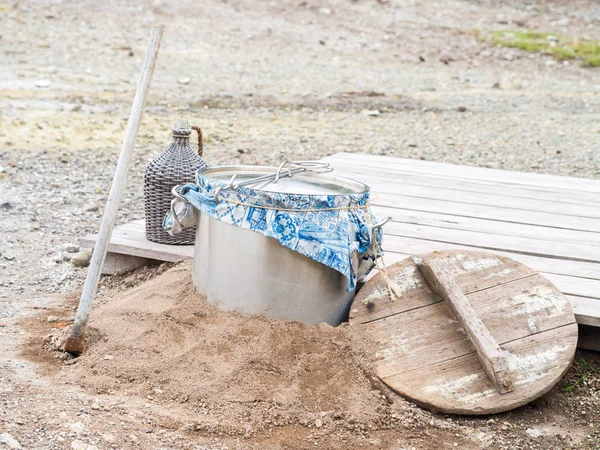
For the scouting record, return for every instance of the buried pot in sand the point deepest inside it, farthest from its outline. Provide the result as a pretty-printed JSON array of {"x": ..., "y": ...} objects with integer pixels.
[{"x": 161, "y": 339}]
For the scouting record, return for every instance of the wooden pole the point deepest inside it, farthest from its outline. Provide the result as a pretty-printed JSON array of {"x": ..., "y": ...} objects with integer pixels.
[{"x": 75, "y": 342}]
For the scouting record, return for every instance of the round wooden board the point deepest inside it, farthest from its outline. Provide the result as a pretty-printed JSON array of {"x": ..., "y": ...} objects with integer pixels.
[{"x": 422, "y": 353}]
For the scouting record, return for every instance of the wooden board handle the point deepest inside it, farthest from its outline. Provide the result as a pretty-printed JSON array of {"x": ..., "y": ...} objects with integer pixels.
[{"x": 489, "y": 353}]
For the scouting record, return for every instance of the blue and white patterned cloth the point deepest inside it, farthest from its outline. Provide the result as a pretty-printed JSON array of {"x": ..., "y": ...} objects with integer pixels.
[{"x": 325, "y": 228}]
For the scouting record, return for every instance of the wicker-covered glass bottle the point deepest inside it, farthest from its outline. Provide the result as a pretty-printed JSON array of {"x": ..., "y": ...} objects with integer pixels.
[{"x": 176, "y": 165}]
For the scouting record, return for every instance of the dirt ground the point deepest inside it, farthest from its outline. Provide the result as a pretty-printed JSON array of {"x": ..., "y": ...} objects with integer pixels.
[{"x": 266, "y": 81}]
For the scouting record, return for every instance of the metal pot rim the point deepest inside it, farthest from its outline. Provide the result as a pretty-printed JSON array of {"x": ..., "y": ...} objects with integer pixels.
[{"x": 356, "y": 186}]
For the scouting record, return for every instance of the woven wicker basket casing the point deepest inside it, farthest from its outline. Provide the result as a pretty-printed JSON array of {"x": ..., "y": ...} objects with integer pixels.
[{"x": 176, "y": 165}]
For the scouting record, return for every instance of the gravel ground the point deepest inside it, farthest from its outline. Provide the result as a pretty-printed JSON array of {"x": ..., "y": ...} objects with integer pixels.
[{"x": 266, "y": 81}]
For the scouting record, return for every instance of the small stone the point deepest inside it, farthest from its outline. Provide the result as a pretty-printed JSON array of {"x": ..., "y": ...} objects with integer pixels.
[
  {"x": 533, "y": 433},
  {"x": 8, "y": 256},
  {"x": 9, "y": 441},
  {"x": 82, "y": 259},
  {"x": 6, "y": 206},
  {"x": 53, "y": 319},
  {"x": 95, "y": 406},
  {"x": 184, "y": 80},
  {"x": 496, "y": 85},
  {"x": 62, "y": 256},
  {"x": 109, "y": 357},
  {"x": 42, "y": 83},
  {"x": 461, "y": 108},
  {"x": 79, "y": 445},
  {"x": 77, "y": 427},
  {"x": 318, "y": 423},
  {"x": 370, "y": 112},
  {"x": 108, "y": 437},
  {"x": 90, "y": 207},
  {"x": 69, "y": 248}
]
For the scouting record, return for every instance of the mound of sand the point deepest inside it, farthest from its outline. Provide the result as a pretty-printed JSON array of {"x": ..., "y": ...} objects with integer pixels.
[{"x": 243, "y": 373}]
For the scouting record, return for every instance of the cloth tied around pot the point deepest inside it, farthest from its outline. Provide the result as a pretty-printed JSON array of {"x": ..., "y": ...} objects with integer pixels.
[{"x": 329, "y": 229}]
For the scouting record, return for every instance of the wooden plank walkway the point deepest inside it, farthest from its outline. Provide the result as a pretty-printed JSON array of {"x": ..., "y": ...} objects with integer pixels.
[
  {"x": 547, "y": 222},
  {"x": 130, "y": 239}
]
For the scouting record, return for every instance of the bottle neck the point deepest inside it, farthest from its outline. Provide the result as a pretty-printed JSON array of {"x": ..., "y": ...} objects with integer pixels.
[{"x": 181, "y": 140}]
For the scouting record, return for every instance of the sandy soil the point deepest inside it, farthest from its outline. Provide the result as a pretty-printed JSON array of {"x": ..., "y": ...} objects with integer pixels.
[{"x": 266, "y": 81}]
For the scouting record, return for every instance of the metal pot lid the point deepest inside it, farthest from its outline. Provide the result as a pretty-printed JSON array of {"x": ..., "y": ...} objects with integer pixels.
[{"x": 264, "y": 178}]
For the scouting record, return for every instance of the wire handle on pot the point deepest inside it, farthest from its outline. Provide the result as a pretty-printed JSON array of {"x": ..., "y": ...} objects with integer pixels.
[
  {"x": 294, "y": 168},
  {"x": 303, "y": 166}
]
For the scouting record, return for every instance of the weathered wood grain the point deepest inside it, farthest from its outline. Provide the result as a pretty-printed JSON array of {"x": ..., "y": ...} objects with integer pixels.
[
  {"x": 422, "y": 336},
  {"x": 489, "y": 353},
  {"x": 530, "y": 180},
  {"x": 459, "y": 386},
  {"x": 130, "y": 239}
]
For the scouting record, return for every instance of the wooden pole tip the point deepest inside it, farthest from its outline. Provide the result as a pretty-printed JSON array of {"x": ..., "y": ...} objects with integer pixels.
[{"x": 74, "y": 346}]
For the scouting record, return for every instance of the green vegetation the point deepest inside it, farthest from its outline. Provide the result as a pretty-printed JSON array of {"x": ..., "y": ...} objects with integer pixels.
[
  {"x": 586, "y": 371},
  {"x": 561, "y": 47}
]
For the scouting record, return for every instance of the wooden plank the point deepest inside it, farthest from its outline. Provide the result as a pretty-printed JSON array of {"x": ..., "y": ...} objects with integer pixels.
[
  {"x": 409, "y": 282},
  {"x": 403, "y": 177},
  {"x": 586, "y": 309},
  {"x": 551, "y": 267},
  {"x": 131, "y": 240},
  {"x": 487, "y": 212},
  {"x": 535, "y": 247},
  {"x": 506, "y": 313},
  {"x": 500, "y": 228},
  {"x": 459, "y": 386},
  {"x": 489, "y": 353},
  {"x": 426, "y": 355},
  {"x": 478, "y": 173},
  {"x": 489, "y": 197}
]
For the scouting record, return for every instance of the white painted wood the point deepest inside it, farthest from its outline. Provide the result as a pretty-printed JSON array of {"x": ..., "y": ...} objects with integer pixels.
[
  {"x": 486, "y": 212},
  {"x": 549, "y": 266},
  {"x": 554, "y": 249},
  {"x": 478, "y": 173},
  {"x": 587, "y": 310},
  {"x": 130, "y": 239},
  {"x": 116, "y": 193},
  {"x": 446, "y": 221},
  {"x": 383, "y": 183},
  {"x": 413, "y": 177}
]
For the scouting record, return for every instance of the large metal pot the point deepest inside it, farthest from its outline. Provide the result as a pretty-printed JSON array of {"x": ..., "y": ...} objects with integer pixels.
[{"x": 239, "y": 269}]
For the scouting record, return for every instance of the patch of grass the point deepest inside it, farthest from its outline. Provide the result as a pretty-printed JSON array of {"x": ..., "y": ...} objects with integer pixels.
[
  {"x": 561, "y": 47},
  {"x": 585, "y": 372}
]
